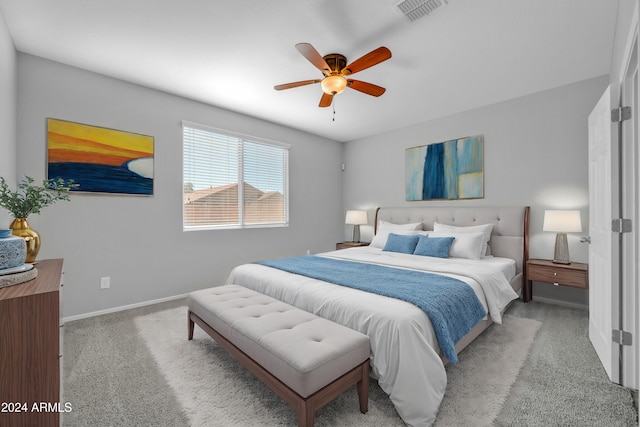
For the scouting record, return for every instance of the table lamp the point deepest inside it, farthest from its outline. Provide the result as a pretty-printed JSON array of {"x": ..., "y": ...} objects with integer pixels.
[
  {"x": 356, "y": 218},
  {"x": 562, "y": 222}
]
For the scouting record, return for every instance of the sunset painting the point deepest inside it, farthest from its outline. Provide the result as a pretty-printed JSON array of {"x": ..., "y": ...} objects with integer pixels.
[{"x": 98, "y": 159}]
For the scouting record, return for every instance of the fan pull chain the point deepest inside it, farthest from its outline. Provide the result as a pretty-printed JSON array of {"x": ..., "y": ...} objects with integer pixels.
[{"x": 334, "y": 108}]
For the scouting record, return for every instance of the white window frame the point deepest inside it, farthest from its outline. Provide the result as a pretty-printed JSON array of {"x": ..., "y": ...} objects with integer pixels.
[{"x": 242, "y": 138}]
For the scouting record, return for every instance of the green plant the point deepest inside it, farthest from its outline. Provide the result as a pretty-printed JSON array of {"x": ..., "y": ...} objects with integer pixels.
[{"x": 30, "y": 199}]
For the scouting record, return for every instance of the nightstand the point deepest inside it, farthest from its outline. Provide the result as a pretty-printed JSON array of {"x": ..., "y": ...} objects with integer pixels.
[
  {"x": 575, "y": 275},
  {"x": 346, "y": 245}
]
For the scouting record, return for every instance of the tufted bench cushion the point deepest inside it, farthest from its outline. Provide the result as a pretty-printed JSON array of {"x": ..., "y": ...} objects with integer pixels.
[{"x": 306, "y": 353}]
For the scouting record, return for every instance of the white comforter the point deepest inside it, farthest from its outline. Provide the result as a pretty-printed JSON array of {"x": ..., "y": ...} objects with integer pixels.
[{"x": 404, "y": 350}]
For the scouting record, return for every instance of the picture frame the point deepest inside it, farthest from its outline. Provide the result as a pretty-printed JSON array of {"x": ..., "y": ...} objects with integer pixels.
[
  {"x": 99, "y": 159},
  {"x": 448, "y": 170}
]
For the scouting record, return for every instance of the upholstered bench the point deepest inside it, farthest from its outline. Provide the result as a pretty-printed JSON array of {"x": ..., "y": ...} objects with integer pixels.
[{"x": 305, "y": 359}]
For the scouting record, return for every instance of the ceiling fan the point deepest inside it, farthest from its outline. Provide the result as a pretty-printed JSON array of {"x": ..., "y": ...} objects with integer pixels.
[{"x": 335, "y": 69}]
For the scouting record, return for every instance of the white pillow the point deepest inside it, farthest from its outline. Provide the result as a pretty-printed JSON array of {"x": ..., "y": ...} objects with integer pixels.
[
  {"x": 384, "y": 225},
  {"x": 485, "y": 229},
  {"x": 465, "y": 245},
  {"x": 384, "y": 228}
]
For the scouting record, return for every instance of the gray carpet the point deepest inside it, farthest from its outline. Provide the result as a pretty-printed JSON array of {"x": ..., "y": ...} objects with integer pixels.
[
  {"x": 563, "y": 383},
  {"x": 112, "y": 379},
  {"x": 211, "y": 385}
]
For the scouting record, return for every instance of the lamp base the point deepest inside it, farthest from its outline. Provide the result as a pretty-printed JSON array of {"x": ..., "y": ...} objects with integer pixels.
[
  {"x": 561, "y": 252},
  {"x": 356, "y": 233}
]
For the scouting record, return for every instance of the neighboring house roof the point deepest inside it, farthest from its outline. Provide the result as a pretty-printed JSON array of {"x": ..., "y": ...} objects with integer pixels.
[
  {"x": 270, "y": 195},
  {"x": 200, "y": 194},
  {"x": 250, "y": 193}
]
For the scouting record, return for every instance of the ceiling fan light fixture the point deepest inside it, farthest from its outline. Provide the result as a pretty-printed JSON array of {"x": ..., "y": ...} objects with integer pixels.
[
  {"x": 333, "y": 85},
  {"x": 334, "y": 68}
]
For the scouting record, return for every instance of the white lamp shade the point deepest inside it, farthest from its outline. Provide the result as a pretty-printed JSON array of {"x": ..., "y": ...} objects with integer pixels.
[
  {"x": 562, "y": 221},
  {"x": 356, "y": 218}
]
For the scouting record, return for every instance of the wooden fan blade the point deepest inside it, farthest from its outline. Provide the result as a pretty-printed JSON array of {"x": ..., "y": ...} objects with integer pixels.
[
  {"x": 326, "y": 100},
  {"x": 369, "y": 60},
  {"x": 364, "y": 87},
  {"x": 314, "y": 57},
  {"x": 295, "y": 84}
]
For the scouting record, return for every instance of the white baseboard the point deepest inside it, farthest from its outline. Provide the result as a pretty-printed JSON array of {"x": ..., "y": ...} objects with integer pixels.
[
  {"x": 121, "y": 308},
  {"x": 175, "y": 297},
  {"x": 561, "y": 302}
]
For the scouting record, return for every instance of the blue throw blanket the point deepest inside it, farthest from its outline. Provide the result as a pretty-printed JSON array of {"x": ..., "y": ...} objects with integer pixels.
[{"x": 451, "y": 304}]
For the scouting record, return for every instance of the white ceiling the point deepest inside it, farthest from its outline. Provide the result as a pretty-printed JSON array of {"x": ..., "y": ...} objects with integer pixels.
[{"x": 230, "y": 53}]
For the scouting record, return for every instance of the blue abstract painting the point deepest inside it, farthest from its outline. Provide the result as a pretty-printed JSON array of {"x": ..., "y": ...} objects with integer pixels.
[{"x": 446, "y": 170}]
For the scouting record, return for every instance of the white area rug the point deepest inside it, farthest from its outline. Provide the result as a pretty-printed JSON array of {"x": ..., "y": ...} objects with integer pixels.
[{"x": 214, "y": 390}]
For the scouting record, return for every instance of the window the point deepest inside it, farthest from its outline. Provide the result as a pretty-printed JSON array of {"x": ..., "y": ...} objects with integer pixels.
[{"x": 232, "y": 180}]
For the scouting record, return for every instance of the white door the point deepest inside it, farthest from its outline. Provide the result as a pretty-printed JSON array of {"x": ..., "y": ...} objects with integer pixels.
[
  {"x": 613, "y": 257},
  {"x": 629, "y": 209},
  {"x": 603, "y": 280}
]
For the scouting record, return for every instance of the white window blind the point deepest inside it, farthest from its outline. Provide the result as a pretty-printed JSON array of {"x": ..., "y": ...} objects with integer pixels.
[{"x": 231, "y": 180}]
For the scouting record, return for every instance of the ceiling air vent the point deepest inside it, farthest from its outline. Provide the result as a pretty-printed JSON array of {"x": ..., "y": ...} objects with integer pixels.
[{"x": 415, "y": 9}]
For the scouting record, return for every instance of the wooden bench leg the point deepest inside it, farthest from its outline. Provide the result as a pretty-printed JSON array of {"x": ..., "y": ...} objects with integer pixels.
[
  {"x": 306, "y": 415},
  {"x": 363, "y": 388},
  {"x": 190, "y": 325}
]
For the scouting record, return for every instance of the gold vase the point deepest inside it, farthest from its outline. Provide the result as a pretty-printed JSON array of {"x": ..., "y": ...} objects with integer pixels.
[{"x": 20, "y": 227}]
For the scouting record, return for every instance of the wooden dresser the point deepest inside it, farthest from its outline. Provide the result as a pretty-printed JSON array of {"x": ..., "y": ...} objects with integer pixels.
[{"x": 31, "y": 349}]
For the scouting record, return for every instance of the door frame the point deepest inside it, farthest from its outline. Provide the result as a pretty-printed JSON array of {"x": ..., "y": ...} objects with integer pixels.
[{"x": 627, "y": 93}]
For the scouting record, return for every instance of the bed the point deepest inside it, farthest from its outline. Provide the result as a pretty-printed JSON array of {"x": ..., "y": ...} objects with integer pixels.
[{"x": 406, "y": 357}]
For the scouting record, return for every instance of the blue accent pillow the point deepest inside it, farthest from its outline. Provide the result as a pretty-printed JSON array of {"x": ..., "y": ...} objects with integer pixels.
[
  {"x": 405, "y": 244},
  {"x": 434, "y": 246}
]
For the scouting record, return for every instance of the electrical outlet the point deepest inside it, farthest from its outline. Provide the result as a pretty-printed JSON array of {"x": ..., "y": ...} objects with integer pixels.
[{"x": 105, "y": 282}]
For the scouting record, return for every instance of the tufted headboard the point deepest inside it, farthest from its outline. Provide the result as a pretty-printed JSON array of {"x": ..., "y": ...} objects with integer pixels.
[{"x": 509, "y": 238}]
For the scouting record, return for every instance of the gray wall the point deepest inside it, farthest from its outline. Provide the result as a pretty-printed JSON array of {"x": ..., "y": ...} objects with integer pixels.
[
  {"x": 8, "y": 106},
  {"x": 138, "y": 241},
  {"x": 624, "y": 22},
  {"x": 535, "y": 154}
]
